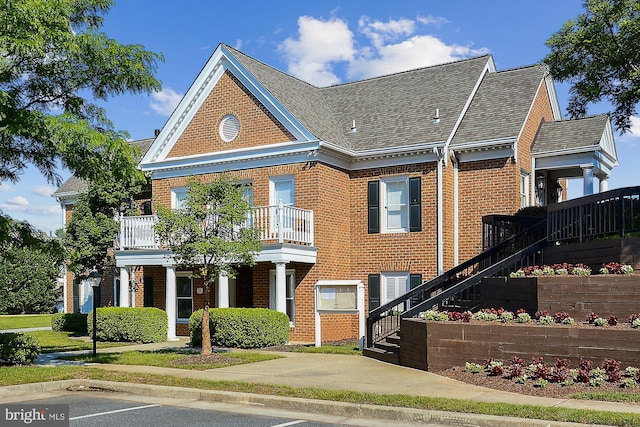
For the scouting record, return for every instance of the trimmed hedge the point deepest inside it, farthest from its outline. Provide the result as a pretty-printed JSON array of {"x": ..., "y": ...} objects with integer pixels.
[
  {"x": 129, "y": 324},
  {"x": 18, "y": 348},
  {"x": 241, "y": 327},
  {"x": 69, "y": 322}
]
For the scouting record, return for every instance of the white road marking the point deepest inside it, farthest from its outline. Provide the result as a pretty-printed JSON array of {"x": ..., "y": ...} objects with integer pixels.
[
  {"x": 112, "y": 412},
  {"x": 290, "y": 423}
]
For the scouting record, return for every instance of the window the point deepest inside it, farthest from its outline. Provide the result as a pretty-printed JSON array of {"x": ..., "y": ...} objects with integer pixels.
[
  {"x": 282, "y": 190},
  {"x": 395, "y": 205},
  {"x": 386, "y": 287},
  {"x": 290, "y": 293},
  {"x": 178, "y": 197},
  {"x": 184, "y": 296},
  {"x": 394, "y": 284},
  {"x": 524, "y": 189},
  {"x": 116, "y": 292}
]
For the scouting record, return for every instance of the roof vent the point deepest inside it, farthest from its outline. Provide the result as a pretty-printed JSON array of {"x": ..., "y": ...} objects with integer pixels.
[
  {"x": 353, "y": 126},
  {"x": 436, "y": 118},
  {"x": 229, "y": 128}
]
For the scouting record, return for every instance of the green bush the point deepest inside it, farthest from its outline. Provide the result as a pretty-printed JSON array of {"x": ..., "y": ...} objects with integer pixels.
[
  {"x": 69, "y": 322},
  {"x": 241, "y": 327},
  {"x": 18, "y": 348},
  {"x": 129, "y": 324}
]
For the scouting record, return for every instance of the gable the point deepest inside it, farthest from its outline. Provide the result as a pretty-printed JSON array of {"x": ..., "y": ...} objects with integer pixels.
[{"x": 257, "y": 126}]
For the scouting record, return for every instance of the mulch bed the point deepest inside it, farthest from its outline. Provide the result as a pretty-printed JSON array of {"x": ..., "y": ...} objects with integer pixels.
[{"x": 505, "y": 384}]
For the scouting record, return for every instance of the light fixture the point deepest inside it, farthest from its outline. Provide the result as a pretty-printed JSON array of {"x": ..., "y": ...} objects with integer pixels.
[
  {"x": 540, "y": 188},
  {"x": 94, "y": 279}
]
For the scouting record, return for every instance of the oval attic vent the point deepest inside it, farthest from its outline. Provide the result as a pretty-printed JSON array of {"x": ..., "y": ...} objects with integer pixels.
[{"x": 229, "y": 128}]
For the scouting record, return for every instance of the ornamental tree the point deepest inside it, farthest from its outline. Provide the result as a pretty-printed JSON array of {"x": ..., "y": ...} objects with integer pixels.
[
  {"x": 54, "y": 63},
  {"x": 597, "y": 52},
  {"x": 210, "y": 234}
]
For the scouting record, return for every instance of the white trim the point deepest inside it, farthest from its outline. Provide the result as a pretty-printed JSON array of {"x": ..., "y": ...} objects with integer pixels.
[
  {"x": 553, "y": 97},
  {"x": 188, "y": 275},
  {"x": 290, "y": 278},
  {"x": 219, "y": 62},
  {"x": 384, "y": 204}
]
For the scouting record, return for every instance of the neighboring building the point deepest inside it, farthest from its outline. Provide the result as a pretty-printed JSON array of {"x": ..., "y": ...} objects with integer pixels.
[{"x": 383, "y": 181}]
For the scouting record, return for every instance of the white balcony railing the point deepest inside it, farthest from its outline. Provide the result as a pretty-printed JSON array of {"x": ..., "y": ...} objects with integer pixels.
[{"x": 277, "y": 223}]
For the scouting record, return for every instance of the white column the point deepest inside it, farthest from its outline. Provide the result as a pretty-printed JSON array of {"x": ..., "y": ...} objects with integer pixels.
[
  {"x": 281, "y": 287},
  {"x": 604, "y": 184},
  {"x": 124, "y": 287},
  {"x": 223, "y": 291},
  {"x": 170, "y": 302},
  {"x": 587, "y": 180}
]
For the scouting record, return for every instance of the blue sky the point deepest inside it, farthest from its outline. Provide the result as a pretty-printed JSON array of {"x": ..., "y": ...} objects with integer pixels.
[{"x": 322, "y": 42}]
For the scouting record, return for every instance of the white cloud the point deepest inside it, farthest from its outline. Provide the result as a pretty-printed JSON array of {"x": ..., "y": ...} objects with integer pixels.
[
  {"x": 5, "y": 187},
  {"x": 18, "y": 201},
  {"x": 319, "y": 45},
  {"x": 378, "y": 48},
  {"x": 432, "y": 20},
  {"x": 635, "y": 126},
  {"x": 44, "y": 190},
  {"x": 165, "y": 101}
]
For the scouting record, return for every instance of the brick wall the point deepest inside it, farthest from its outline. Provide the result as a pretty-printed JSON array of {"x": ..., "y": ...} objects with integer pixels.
[{"x": 229, "y": 96}]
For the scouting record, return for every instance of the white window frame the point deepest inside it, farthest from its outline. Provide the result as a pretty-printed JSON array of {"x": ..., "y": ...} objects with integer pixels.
[
  {"x": 290, "y": 289},
  {"x": 188, "y": 275},
  {"x": 176, "y": 193},
  {"x": 288, "y": 220},
  {"x": 524, "y": 189},
  {"x": 396, "y": 276},
  {"x": 404, "y": 207}
]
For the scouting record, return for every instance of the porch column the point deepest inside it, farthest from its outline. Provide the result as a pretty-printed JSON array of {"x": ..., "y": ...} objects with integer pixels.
[
  {"x": 222, "y": 293},
  {"x": 124, "y": 286},
  {"x": 170, "y": 302},
  {"x": 281, "y": 287},
  {"x": 587, "y": 180},
  {"x": 604, "y": 184}
]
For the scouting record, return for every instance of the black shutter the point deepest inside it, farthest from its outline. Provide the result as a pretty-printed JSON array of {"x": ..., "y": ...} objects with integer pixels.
[
  {"x": 373, "y": 205},
  {"x": 415, "y": 204},
  {"x": 374, "y": 291},
  {"x": 415, "y": 280}
]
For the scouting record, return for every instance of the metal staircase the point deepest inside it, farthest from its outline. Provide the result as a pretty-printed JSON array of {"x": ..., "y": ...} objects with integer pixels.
[{"x": 452, "y": 289}]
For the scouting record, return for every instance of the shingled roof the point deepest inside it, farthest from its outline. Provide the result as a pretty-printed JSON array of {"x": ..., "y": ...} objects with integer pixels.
[
  {"x": 501, "y": 105},
  {"x": 570, "y": 134},
  {"x": 389, "y": 111}
]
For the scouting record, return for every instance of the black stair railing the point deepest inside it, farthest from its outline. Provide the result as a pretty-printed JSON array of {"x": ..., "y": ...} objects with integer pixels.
[
  {"x": 520, "y": 250},
  {"x": 613, "y": 213}
]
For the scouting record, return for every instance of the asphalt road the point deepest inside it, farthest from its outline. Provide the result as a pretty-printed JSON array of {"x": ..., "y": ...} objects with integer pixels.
[{"x": 97, "y": 409}]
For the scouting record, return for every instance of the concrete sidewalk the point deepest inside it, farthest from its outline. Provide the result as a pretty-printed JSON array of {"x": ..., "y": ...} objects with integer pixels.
[{"x": 344, "y": 372}]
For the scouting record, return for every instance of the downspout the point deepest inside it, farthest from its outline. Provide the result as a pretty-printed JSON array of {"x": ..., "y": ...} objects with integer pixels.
[
  {"x": 440, "y": 234},
  {"x": 456, "y": 235}
]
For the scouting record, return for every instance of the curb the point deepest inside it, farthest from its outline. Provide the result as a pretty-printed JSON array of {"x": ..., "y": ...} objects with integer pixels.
[{"x": 285, "y": 403}]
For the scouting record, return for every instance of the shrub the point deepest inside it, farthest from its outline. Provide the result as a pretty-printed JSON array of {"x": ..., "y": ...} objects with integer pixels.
[
  {"x": 129, "y": 324},
  {"x": 241, "y": 327},
  {"x": 69, "y": 322},
  {"x": 18, "y": 348}
]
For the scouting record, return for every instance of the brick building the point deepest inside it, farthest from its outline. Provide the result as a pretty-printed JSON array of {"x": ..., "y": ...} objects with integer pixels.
[{"x": 382, "y": 181}]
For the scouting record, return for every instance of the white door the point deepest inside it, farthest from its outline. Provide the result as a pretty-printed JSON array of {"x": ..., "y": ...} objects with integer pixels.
[{"x": 282, "y": 192}]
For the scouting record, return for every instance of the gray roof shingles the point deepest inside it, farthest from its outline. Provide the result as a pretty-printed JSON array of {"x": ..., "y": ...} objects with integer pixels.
[{"x": 570, "y": 134}]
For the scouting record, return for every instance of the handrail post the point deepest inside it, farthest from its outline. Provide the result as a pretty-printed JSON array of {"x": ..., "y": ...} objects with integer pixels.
[
  {"x": 121, "y": 239},
  {"x": 622, "y": 219},
  {"x": 280, "y": 222}
]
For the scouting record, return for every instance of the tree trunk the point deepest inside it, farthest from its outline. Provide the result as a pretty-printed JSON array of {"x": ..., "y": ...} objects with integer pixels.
[{"x": 206, "y": 333}]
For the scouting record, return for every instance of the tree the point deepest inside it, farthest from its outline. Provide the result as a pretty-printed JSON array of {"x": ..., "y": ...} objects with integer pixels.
[
  {"x": 598, "y": 53},
  {"x": 29, "y": 266},
  {"x": 210, "y": 234},
  {"x": 52, "y": 54}
]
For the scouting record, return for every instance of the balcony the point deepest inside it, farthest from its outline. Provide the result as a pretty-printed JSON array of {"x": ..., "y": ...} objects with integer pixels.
[{"x": 277, "y": 224}]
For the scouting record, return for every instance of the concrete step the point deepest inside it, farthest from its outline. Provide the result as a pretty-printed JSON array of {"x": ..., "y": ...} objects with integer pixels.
[{"x": 382, "y": 355}]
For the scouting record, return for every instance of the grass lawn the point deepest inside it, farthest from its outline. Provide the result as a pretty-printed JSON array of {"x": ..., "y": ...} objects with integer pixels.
[
  {"x": 26, "y": 374},
  {"x": 330, "y": 349},
  {"x": 51, "y": 342},
  {"x": 177, "y": 358},
  {"x": 25, "y": 321}
]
